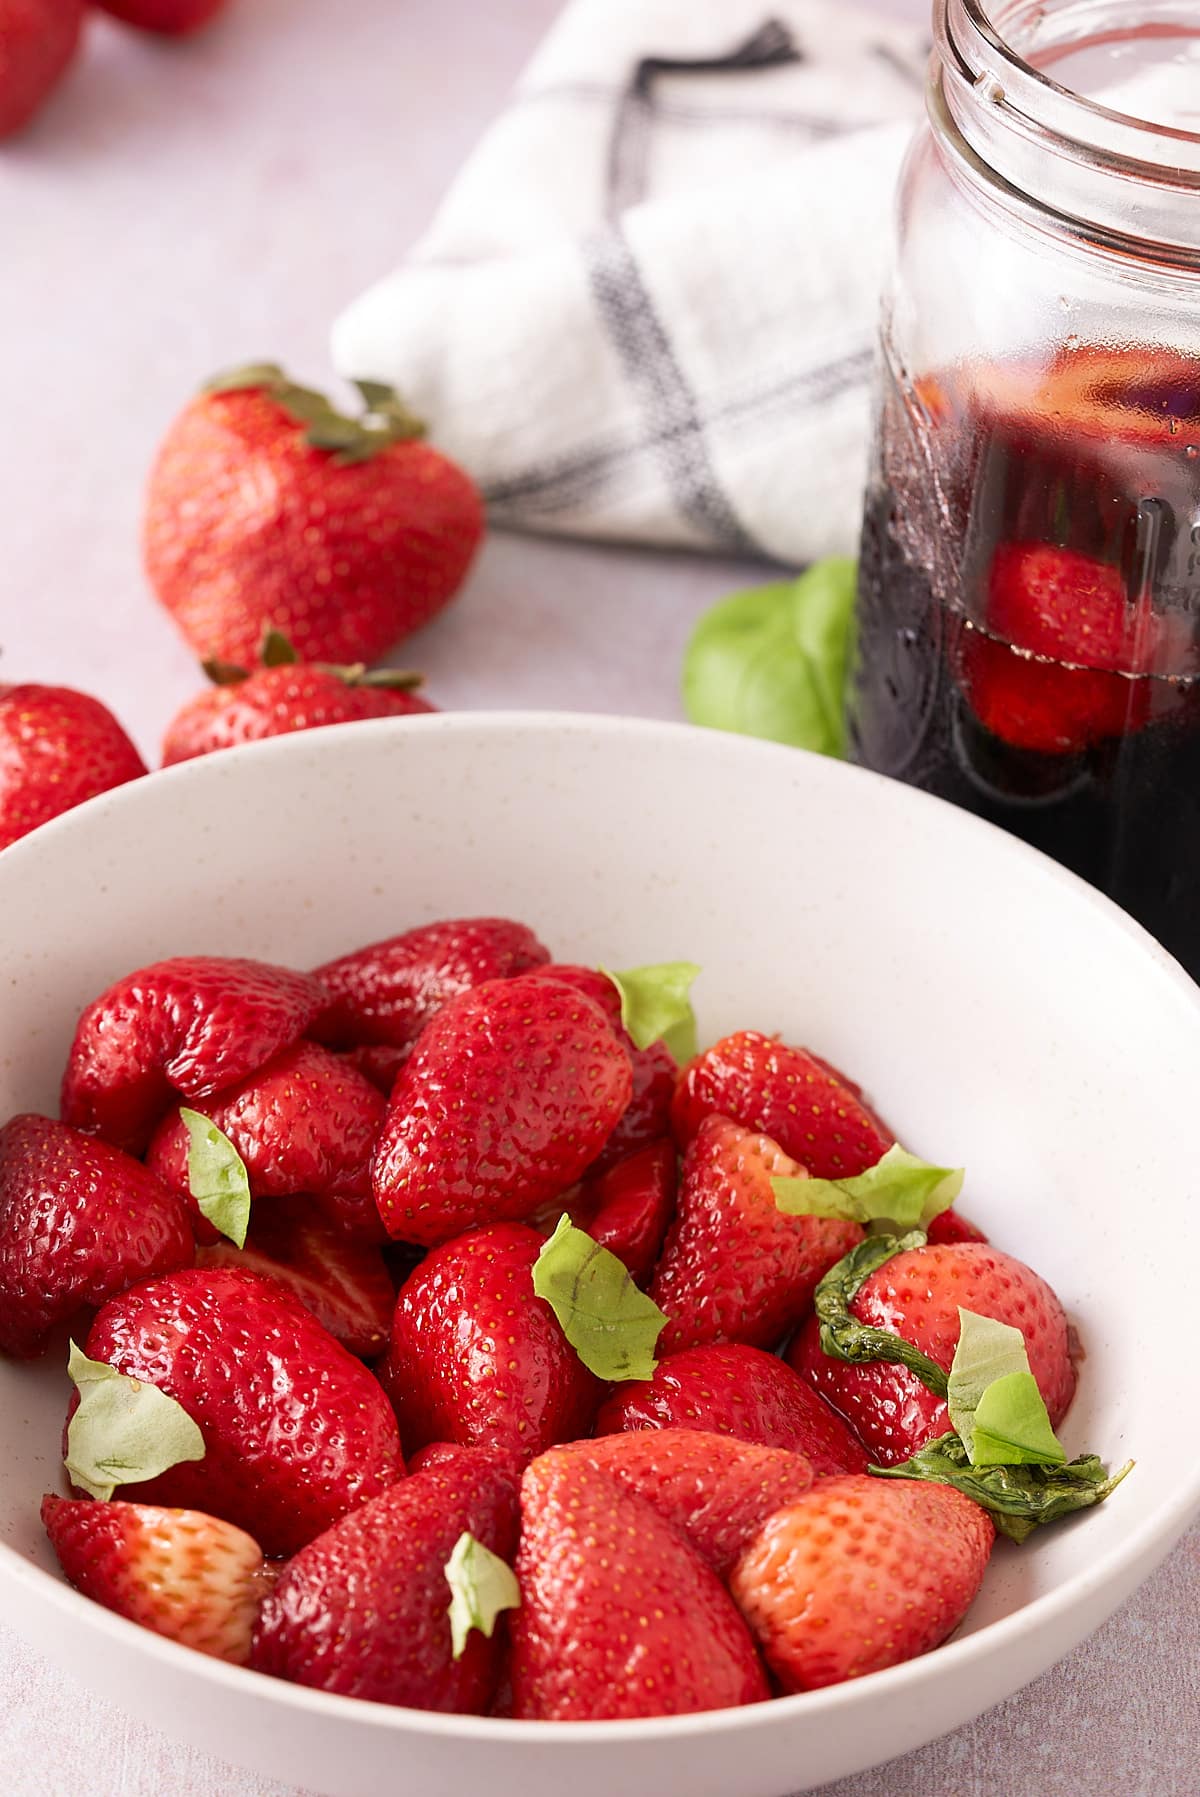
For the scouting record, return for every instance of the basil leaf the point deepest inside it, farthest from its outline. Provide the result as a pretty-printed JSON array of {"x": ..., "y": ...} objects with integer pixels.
[
  {"x": 771, "y": 661},
  {"x": 124, "y": 1430},
  {"x": 1019, "y": 1499},
  {"x": 1012, "y": 1426},
  {"x": 481, "y": 1585},
  {"x": 843, "y": 1337},
  {"x": 612, "y": 1326},
  {"x": 900, "y": 1189},
  {"x": 656, "y": 1003},
  {"x": 217, "y": 1177}
]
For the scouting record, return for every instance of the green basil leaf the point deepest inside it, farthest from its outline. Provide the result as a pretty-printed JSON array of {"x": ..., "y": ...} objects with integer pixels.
[
  {"x": 1012, "y": 1426},
  {"x": 123, "y": 1431},
  {"x": 843, "y": 1337},
  {"x": 481, "y": 1585},
  {"x": 612, "y": 1326},
  {"x": 771, "y": 661},
  {"x": 217, "y": 1177},
  {"x": 656, "y": 1003},
  {"x": 900, "y": 1189},
  {"x": 1018, "y": 1498}
]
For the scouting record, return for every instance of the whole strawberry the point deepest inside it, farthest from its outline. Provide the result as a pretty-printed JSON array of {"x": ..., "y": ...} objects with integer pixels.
[
  {"x": 647, "y": 1116},
  {"x": 57, "y": 747},
  {"x": 627, "y": 1209},
  {"x": 296, "y": 1431},
  {"x": 79, "y": 1221},
  {"x": 168, "y": 18},
  {"x": 38, "y": 41},
  {"x": 860, "y": 1574},
  {"x": 510, "y": 1092},
  {"x": 267, "y": 509}
]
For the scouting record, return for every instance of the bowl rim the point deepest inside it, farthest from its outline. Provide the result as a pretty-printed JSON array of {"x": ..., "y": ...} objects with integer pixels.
[{"x": 1155, "y": 1532}]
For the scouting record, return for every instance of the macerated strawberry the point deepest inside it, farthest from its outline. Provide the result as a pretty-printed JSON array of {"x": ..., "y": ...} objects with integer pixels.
[
  {"x": 57, "y": 747},
  {"x": 276, "y": 701},
  {"x": 628, "y": 1208}
]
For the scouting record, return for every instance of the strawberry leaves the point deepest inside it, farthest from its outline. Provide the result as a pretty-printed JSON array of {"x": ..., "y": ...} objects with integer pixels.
[
  {"x": 656, "y": 1004},
  {"x": 217, "y": 1177},
  {"x": 899, "y": 1192},
  {"x": 610, "y": 1323},
  {"x": 124, "y": 1430},
  {"x": 384, "y": 420},
  {"x": 481, "y": 1585}
]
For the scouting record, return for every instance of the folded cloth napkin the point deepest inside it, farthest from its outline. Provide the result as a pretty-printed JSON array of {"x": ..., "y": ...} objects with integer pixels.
[{"x": 646, "y": 309}]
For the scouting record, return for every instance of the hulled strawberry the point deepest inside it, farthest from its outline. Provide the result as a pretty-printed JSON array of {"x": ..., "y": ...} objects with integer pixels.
[
  {"x": 627, "y": 1209},
  {"x": 476, "y": 1357},
  {"x": 365, "y": 1609},
  {"x": 647, "y": 1116},
  {"x": 79, "y": 1221},
  {"x": 192, "y": 1025},
  {"x": 508, "y": 1095},
  {"x": 57, "y": 747},
  {"x": 858, "y": 1575},
  {"x": 619, "y": 1617},
  {"x": 188, "y": 1576},
  {"x": 734, "y": 1267},
  {"x": 266, "y": 508},
  {"x": 296, "y": 1431},
  {"x": 917, "y": 1295},
  {"x": 728, "y": 1389}
]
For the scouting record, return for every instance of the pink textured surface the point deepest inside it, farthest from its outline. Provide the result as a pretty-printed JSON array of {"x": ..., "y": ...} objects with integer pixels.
[{"x": 179, "y": 207}]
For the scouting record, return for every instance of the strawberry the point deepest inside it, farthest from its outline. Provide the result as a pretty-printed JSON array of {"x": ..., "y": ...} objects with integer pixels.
[
  {"x": 387, "y": 992},
  {"x": 917, "y": 1295},
  {"x": 1051, "y": 673},
  {"x": 79, "y": 1221},
  {"x": 734, "y": 1267},
  {"x": 811, "y": 1110},
  {"x": 274, "y": 701},
  {"x": 296, "y": 1431},
  {"x": 304, "y": 1122},
  {"x": 38, "y": 42},
  {"x": 619, "y": 1617},
  {"x": 860, "y": 1574},
  {"x": 57, "y": 747},
  {"x": 183, "y": 1574},
  {"x": 168, "y": 18},
  {"x": 627, "y": 1209},
  {"x": 717, "y": 1492},
  {"x": 266, "y": 508},
  {"x": 194, "y": 1024},
  {"x": 380, "y": 1062},
  {"x": 364, "y": 1609},
  {"x": 344, "y": 1282},
  {"x": 952, "y": 1226},
  {"x": 510, "y": 1092},
  {"x": 477, "y": 1357},
  {"x": 647, "y": 1116},
  {"x": 728, "y": 1389}
]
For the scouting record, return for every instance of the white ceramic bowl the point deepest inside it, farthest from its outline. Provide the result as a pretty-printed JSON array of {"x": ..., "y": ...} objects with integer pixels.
[{"x": 1003, "y": 1016}]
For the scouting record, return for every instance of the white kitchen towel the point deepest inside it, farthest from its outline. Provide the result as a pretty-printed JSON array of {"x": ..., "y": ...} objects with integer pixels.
[{"x": 647, "y": 307}]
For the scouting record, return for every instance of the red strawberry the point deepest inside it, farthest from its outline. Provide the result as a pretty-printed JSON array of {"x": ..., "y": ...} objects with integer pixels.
[
  {"x": 296, "y": 1431},
  {"x": 508, "y": 1095},
  {"x": 734, "y": 1267},
  {"x": 1063, "y": 683},
  {"x": 345, "y": 1283},
  {"x": 619, "y": 1617},
  {"x": 917, "y": 1295},
  {"x": 952, "y": 1226},
  {"x": 265, "y": 508},
  {"x": 79, "y": 1221},
  {"x": 627, "y": 1209},
  {"x": 717, "y": 1492},
  {"x": 194, "y": 1024},
  {"x": 38, "y": 41},
  {"x": 800, "y": 1101},
  {"x": 170, "y": 18},
  {"x": 860, "y": 1574},
  {"x": 727, "y": 1389},
  {"x": 183, "y": 1574},
  {"x": 477, "y": 1357},
  {"x": 305, "y": 1122},
  {"x": 57, "y": 747},
  {"x": 647, "y": 1117},
  {"x": 388, "y": 991},
  {"x": 364, "y": 1609},
  {"x": 275, "y": 701},
  {"x": 379, "y": 1062}
]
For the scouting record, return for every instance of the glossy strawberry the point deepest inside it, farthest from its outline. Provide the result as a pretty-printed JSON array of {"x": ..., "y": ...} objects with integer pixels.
[
  {"x": 860, "y": 1574},
  {"x": 476, "y": 1357},
  {"x": 380, "y": 1062},
  {"x": 952, "y": 1226},
  {"x": 917, "y": 1295},
  {"x": 508, "y": 1095},
  {"x": 647, "y": 1116},
  {"x": 734, "y": 1267},
  {"x": 192, "y": 1025},
  {"x": 38, "y": 42},
  {"x": 304, "y": 1122},
  {"x": 345, "y": 1283},
  {"x": 57, "y": 747},
  {"x": 79, "y": 1221},
  {"x": 716, "y": 1491},
  {"x": 387, "y": 992},
  {"x": 364, "y": 1609},
  {"x": 267, "y": 509},
  {"x": 806, "y": 1106},
  {"x": 167, "y": 18},
  {"x": 728, "y": 1389},
  {"x": 619, "y": 1617},
  {"x": 276, "y": 701},
  {"x": 296, "y": 1431},
  {"x": 628, "y": 1208},
  {"x": 185, "y": 1575}
]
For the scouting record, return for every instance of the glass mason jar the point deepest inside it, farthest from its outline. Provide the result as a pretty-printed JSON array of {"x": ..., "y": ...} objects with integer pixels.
[{"x": 1028, "y": 639}]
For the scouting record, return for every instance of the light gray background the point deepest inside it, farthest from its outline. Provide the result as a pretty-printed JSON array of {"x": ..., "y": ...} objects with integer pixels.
[{"x": 179, "y": 208}]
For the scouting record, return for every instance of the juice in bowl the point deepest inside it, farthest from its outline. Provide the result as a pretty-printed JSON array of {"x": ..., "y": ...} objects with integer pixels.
[{"x": 1030, "y": 568}]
